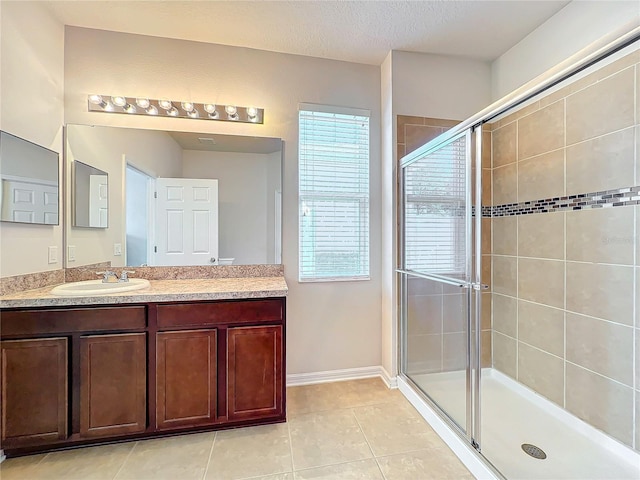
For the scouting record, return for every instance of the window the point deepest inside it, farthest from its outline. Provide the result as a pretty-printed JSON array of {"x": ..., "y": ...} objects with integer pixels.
[{"x": 333, "y": 193}]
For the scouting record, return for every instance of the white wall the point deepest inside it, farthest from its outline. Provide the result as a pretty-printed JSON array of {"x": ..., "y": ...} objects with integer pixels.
[
  {"x": 329, "y": 325},
  {"x": 31, "y": 107},
  {"x": 245, "y": 202},
  {"x": 388, "y": 192},
  {"x": 566, "y": 33},
  {"x": 108, "y": 149}
]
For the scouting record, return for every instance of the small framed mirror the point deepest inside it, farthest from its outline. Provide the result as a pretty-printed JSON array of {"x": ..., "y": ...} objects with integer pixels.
[
  {"x": 29, "y": 187},
  {"x": 90, "y": 196}
]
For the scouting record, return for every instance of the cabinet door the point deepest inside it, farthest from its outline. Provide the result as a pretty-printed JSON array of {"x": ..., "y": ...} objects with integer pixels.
[
  {"x": 254, "y": 375},
  {"x": 186, "y": 378},
  {"x": 112, "y": 384},
  {"x": 34, "y": 380}
]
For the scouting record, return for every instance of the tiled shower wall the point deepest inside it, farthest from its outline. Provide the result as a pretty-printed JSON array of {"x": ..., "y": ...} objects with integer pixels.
[
  {"x": 566, "y": 282},
  {"x": 436, "y": 313}
]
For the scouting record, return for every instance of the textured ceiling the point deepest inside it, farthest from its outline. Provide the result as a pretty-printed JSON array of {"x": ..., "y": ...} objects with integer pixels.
[{"x": 354, "y": 31}]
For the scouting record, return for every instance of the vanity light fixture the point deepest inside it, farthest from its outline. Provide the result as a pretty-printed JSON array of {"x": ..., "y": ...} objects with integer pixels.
[
  {"x": 172, "y": 108},
  {"x": 119, "y": 101},
  {"x": 143, "y": 102}
]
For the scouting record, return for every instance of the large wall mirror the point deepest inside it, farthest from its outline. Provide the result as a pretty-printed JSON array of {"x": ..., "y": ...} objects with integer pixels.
[{"x": 178, "y": 198}]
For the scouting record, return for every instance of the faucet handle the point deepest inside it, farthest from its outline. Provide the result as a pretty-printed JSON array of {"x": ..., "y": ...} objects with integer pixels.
[
  {"x": 107, "y": 275},
  {"x": 124, "y": 275}
]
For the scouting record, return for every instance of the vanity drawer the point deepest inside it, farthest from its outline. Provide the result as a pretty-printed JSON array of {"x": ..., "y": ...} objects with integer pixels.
[
  {"x": 246, "y": 311},
  {"x": 68, "y": 320}
]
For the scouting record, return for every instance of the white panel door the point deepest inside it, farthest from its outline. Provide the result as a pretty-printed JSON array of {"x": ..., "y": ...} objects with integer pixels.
[
  {"x": 98, "y": 201},
  {"x": 29, "y": 201},
  {"x": 186, "y": 222}
]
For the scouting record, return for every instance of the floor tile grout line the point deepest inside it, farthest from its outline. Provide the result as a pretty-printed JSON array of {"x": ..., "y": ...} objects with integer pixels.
[
  {"x": 334, "y": 408},
  {"x": 213, "y": 443},
  {"x": 293, "y": 466},
  {"x": 373, "y": 455},
  {"x": 125, "y": 460}
]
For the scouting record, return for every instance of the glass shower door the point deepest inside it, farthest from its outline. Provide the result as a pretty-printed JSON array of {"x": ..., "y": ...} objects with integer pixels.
[{"x": 438, "y": 278}]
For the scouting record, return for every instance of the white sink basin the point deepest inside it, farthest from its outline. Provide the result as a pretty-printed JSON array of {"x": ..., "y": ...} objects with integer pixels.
[{"x": 96, "y": 287}]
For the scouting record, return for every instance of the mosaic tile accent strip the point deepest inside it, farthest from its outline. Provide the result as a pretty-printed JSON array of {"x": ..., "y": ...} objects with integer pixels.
[{"x": 620, "y": 197}]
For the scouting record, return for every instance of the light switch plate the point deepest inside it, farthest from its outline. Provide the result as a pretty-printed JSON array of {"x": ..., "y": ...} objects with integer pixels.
[
  {"x": 71, "y": 253},
  {"x": 53, "y": 254},
  {"x": 117, "y": 249}
]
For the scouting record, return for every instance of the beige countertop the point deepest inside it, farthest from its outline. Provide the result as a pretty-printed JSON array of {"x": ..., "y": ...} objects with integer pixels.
[{"x": 158, "y": 291}]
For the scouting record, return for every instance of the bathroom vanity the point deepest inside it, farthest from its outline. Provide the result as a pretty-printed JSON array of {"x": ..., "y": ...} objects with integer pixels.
[{"x": 182, "y": 355}]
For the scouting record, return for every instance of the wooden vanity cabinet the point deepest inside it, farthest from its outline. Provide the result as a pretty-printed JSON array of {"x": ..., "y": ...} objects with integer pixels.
[
  {"x": 73, "y": 376},
  {"x": 254, "y": 372},
  {"x": 186, "y": 378},
  {"x": 113, "y": 384},
  {"x": 34, "y": 379}
]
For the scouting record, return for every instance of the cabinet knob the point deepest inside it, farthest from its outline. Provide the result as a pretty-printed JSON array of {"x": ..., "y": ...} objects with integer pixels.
[{"x": 212, "y": 260}]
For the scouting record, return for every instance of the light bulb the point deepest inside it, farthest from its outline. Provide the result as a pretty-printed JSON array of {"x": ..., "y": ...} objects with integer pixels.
[
  {"x": 119, "y": 101},
  {"x": 252, "y": 112},
  {"x": 96, "y": 99},
  {"x": 142, "y": 102},
  {"x": 107, "y": 106},
  {"x": 187, "y": 106},
  {"x": 173, "y": 111},
  {"x": 231, "y": 110},
  {"x": 152, "y": 110},
  {"x": 166, "y": 104},
  {"x": 129, "y": 108},
  {"x": 193, "y": 113},
  {"x": 209, "y": 107}
]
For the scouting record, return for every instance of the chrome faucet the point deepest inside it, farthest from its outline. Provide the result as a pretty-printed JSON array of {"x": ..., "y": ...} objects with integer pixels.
[
  {"x": 124, "y": 276},
  {"x": 108, "y": 276}
]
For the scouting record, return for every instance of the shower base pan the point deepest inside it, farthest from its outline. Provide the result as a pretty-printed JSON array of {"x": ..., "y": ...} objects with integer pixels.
[{"x": 513, "y": 416}]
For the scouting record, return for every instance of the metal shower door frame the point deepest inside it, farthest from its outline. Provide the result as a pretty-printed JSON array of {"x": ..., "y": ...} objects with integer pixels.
[{"x": 472, "y": 283}]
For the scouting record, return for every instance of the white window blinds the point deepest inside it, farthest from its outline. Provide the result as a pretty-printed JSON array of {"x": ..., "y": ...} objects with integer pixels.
[
  {"x": 434, "y": 211},
  {"x": 333, "y": 193}
]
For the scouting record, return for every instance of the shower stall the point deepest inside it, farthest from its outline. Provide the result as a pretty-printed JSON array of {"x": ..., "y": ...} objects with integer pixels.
[{"x": 519, "y": 275}]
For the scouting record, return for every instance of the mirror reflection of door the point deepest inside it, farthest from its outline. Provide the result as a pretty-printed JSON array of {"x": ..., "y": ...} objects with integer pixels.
[
  {"x": 186, "y": 222},
  {"x": 139, "y": 215},
  {"x": 98, "y": 201}
]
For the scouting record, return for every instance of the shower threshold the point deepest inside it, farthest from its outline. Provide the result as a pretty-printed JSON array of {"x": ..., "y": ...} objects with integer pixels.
[{"x": 513, "y": 415}]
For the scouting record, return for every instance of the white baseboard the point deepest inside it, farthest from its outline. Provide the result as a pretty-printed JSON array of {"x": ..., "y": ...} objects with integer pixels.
[{"x": 297, "y": 379}]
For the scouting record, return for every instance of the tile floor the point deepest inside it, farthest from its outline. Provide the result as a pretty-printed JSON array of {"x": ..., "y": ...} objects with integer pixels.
[{"x": 344, "y": 430}]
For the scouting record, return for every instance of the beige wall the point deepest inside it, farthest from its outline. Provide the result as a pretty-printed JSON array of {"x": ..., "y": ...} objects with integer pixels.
[
  {"x": 31, "y": 107},
  {"x": 109, "y": 149},
  {"x": 330, "y": 325},
  {"x": 563, "y": 282},
  {"x": 245, "y": 202}
]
